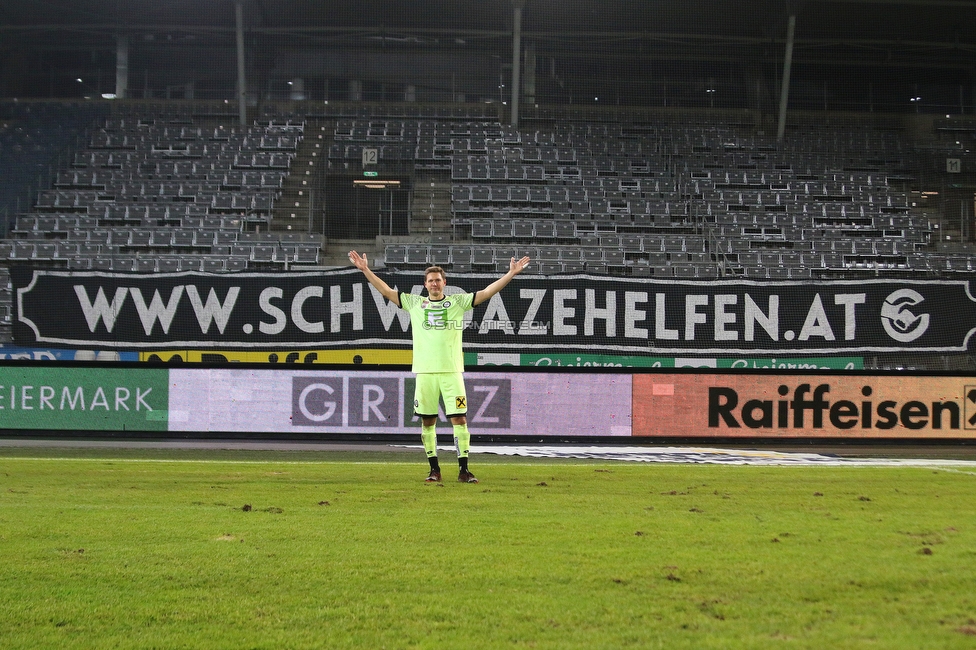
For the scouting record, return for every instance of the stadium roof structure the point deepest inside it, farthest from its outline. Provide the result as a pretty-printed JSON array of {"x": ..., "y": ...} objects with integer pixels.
[{"x": 584, "y": 48}]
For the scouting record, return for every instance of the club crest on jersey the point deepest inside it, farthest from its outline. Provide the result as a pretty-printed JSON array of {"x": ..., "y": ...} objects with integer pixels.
[{"x": 447, "y": 303}]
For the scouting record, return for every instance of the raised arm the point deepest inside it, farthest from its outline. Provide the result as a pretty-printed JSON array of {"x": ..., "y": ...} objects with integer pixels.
[
  {"x": 514, "y": 268},
  {"x": 361, "y": 263}
]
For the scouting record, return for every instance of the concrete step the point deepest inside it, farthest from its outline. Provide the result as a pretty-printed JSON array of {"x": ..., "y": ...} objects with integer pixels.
[{"x": 336, "y": 251}]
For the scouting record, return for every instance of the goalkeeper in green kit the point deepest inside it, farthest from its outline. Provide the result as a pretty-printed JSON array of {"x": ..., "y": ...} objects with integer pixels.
[{"x": 437, "y": 323}]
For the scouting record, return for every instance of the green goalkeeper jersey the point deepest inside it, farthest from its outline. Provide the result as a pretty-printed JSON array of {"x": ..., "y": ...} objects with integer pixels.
[{"x": 437, "y": 326}]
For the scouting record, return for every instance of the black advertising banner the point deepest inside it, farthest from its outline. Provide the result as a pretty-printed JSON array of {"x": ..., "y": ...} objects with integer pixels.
[{"x": 339, "y": 308}]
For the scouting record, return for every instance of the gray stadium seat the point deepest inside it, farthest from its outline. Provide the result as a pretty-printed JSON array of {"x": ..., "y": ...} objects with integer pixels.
[
  {"x": 395, "y": 254},
  {"x": 417, "y": 254}
]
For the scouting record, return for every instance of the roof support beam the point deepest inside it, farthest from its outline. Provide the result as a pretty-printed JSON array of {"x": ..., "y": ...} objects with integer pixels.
[
  {"x": 517, "y": 6},
  {"x": 241, "y": 81},
  {"x": 121, "y": 66},
  {"x": 784, "y": 92}
]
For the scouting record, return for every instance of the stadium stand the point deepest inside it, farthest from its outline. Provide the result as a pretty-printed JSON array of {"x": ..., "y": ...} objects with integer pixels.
[
  {"x": 658, "y": 197},
  {"x": 36, "y": 138},
  {"x": 621, "y": 193},
  {"x": 163, "y": 192}
]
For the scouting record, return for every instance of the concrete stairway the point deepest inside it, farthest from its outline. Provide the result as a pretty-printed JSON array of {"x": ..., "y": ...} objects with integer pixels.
[
  {"x": 303, "y": 189},
  {"x": 431, "y": 213}
]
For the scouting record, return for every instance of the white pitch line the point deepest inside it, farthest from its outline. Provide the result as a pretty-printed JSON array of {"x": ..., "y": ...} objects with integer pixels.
[
  {"x": 706, "y": 455},
  {"x": 677, "y": 455}
]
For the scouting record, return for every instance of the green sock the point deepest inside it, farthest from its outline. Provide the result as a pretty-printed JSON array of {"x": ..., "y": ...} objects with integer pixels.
[
  {"x": 429, "y": 436},
  {"x": 462, "y": 440}
]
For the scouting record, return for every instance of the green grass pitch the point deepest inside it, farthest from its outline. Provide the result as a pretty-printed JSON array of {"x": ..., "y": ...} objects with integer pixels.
[{"x": 168, "y": 549}]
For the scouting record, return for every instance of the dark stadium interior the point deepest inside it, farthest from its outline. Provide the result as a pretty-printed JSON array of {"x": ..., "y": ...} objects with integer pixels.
[
  {"x": 700, "y": 140},
  {"x": 851, "y": 54}
]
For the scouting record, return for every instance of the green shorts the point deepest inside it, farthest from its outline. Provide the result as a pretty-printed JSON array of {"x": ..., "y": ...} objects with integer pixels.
[{"x": 431, "y": 385}]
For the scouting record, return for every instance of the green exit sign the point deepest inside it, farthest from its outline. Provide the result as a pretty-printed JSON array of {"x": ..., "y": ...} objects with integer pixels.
[{"x": 371, "y": 173}]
